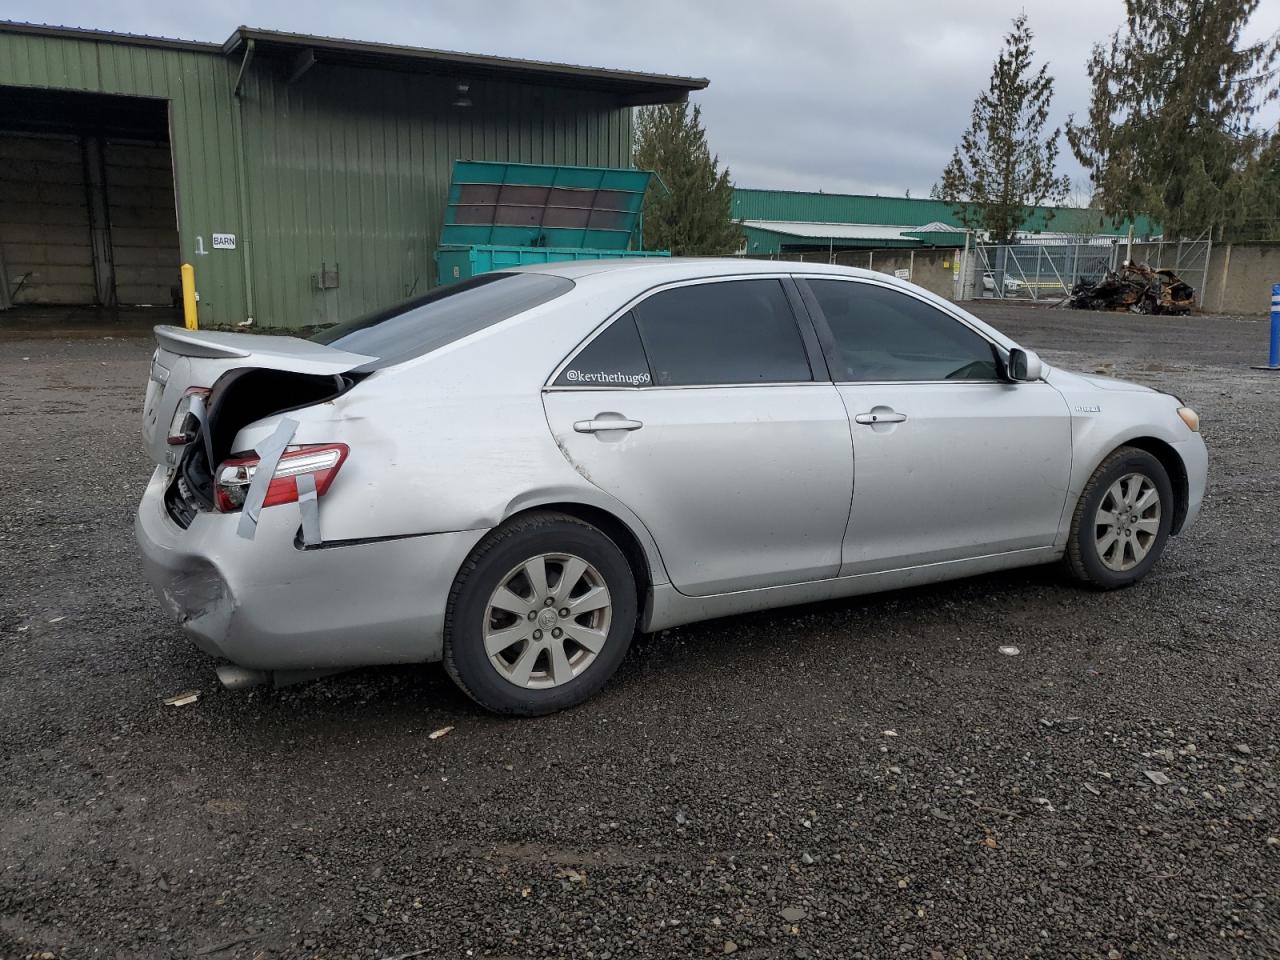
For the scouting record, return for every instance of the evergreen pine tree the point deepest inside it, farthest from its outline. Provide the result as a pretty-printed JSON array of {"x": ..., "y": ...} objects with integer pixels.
[
  {"x": 1170, "y": 130},
  {"x": 1004, "y": 165},
  {"x": 693, "y": 216}
]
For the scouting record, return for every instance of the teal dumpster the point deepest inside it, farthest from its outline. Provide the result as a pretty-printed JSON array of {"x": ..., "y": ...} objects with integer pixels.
[
  {"x": 458, "y": 263},
  {"x": 511, "y": 214}
]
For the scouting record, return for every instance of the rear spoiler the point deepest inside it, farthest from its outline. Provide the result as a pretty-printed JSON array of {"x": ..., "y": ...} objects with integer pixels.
[
  {"x": 271, "y": 352},
  {"x": 196, "y": 343}
]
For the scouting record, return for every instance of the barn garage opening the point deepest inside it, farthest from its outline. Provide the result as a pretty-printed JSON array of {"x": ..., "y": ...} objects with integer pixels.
[{"x": 87, "y": 211}]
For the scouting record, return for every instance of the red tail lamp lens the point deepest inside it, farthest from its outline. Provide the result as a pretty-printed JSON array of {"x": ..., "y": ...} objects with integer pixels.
[{"x": 320, "y": 460}]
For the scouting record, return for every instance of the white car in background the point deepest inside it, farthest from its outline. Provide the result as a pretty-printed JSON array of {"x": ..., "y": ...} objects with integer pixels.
[
  {"x": 514, "y": 473},
  {"x": 1012, "y": 285}
]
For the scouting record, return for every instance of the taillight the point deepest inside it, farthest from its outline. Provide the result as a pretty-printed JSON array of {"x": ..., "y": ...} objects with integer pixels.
[
  {"x": 322, "y": 461},
  {"x": 185, "y": 423}
]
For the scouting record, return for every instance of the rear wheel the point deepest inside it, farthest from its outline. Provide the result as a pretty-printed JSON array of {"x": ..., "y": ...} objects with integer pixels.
[
  {"x": 540, "y": 616},
  {"x": 1122, "y": 520}
]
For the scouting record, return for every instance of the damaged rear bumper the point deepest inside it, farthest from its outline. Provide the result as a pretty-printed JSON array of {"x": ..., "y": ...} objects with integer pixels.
[{"x": 268, "y": 604}]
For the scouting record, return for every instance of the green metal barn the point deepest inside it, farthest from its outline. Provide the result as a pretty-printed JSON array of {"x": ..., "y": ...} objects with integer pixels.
[
  {"x": 304, "y": 178},
  {"x": 795, "y": 221}
]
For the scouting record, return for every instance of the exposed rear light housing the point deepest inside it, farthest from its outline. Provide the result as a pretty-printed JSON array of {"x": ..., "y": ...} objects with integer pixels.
[
  {"x": 184, "y": 424},
  {"x": 320, "y": 460}
]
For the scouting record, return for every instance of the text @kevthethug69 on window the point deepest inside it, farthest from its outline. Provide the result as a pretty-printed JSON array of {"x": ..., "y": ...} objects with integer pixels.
[{"x": 584, "y": 377}]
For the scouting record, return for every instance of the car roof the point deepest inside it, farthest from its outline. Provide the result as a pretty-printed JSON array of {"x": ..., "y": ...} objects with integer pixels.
[
  {"x": 631, "y": 276},
  {"x": 663, "y": 269}
]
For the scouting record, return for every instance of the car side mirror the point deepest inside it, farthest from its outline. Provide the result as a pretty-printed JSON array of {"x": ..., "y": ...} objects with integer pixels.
[{"x": 1024, "y": 365}]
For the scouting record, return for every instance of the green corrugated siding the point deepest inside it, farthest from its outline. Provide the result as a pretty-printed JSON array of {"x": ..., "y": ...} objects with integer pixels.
[
  {"x": 346, "y": 166},
  {"x": 837, "y": 208},
  {"x": 352, "y": 167},
  {"x": 760, "y": 241},
  {"x": 751, "y": 204}
]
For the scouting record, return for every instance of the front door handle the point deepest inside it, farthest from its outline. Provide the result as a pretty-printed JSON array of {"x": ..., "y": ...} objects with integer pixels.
[
  {"x": 880, "y": 415},
  {"x": 601, "y": 423}
]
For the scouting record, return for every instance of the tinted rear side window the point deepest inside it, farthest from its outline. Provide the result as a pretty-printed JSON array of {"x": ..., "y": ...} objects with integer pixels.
[
  {"x": 416, "y": 327},
  {"x": 613, "y": 359},
  {"x": 883, "y": 335},
  {"x": 736, "y": 331}
]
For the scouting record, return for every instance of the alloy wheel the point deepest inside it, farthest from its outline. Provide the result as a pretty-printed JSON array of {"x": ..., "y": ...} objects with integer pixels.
[
  {"x": 1127, "y": 522},
  {"x": 547, "y": 620}
]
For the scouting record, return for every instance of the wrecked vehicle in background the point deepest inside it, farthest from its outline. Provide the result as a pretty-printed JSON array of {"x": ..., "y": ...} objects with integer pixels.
[{"x": 1137, "y": 288}]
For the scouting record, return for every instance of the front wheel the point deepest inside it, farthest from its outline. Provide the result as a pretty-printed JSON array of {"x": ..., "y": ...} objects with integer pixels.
[
  {"x": 540, "y": 616},
  {"x": 1122, "y": 520}
]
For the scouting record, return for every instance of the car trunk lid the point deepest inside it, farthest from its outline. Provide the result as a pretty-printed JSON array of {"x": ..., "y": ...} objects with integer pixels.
[{"x": 188, "y": 359}]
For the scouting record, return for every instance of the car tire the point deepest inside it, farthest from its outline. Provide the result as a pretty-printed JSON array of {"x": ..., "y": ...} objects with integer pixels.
[
  {"x": 1110, "y": 555},
  {"x": 507, "y": 660}
]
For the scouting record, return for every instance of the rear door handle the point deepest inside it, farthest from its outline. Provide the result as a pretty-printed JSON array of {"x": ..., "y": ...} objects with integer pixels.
[
  {"x": 598, "y": 424},
  {"x": 887, "y": 417}
]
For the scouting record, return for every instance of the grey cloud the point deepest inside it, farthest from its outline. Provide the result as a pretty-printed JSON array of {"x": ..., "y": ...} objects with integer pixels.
[{"x": 808, "y": 94}]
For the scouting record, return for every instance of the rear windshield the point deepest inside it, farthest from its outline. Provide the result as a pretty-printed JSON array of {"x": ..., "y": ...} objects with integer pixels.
[{"x": 418, "y": 326}]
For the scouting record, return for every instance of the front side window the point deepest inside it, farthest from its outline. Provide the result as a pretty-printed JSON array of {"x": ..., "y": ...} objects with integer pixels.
[
  {"x": 613, "y": 359},
  {"x": 728, "y": 332},
  {"x": 885, "y": 335}
]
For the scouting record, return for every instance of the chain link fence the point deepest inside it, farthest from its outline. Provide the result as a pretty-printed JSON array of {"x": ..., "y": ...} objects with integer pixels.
[{"x": 1049, "y": 269}]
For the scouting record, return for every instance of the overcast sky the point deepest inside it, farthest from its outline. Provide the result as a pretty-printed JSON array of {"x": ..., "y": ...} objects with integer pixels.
[{"x": 834, "y": 95}]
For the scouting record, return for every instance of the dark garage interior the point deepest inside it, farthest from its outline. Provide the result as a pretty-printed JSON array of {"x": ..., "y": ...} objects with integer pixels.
[{"x": 87, "y": 211}]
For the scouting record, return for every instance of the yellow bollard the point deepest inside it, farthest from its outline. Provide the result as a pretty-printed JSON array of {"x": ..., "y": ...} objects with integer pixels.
[{"x": 189, "y": 297}]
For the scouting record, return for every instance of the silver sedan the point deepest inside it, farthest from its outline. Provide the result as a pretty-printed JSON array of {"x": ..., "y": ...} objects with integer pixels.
[{"x": 515, "y": 473}]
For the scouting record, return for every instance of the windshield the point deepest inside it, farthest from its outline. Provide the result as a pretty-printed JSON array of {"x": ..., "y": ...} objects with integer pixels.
[{"x": 418, "y": 326}]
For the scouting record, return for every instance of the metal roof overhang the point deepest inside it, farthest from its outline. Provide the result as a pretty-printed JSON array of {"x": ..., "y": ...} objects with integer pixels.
[
  {"x": 107, "y": 36},
  {"x": 631, "y": 88}
]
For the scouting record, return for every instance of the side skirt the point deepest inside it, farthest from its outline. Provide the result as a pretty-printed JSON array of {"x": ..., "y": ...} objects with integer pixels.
[{"x": 667, "y": 607}]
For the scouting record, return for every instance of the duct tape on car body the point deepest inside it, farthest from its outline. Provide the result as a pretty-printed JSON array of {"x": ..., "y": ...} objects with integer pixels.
[
  {"x": 269, "y": 452},
  {"x": 197, "y": 409},
  {"x": 309, "y": 504},
  {"x": 200, "y": 407}
]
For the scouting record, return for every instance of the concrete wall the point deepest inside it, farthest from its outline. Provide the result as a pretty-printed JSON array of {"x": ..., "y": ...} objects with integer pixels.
[
  {"x": 1240, "y": 278},
  {"x": 144, "y": 231},
  {"x": 44, "y": 220},
  {"x": 53, "y": 248}
]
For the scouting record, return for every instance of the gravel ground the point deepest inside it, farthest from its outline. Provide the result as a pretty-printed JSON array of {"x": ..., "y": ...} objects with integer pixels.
[{"x": 863, "y": 778}]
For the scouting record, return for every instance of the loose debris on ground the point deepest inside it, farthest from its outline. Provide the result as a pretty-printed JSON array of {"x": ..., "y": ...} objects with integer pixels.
[{"x": 1137, "y": 288}]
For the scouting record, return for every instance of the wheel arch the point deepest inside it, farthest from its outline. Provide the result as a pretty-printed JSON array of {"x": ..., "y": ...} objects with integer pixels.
[
  {"x": 632, "y": 538},
  {"x": 1163, "y": 451}
]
